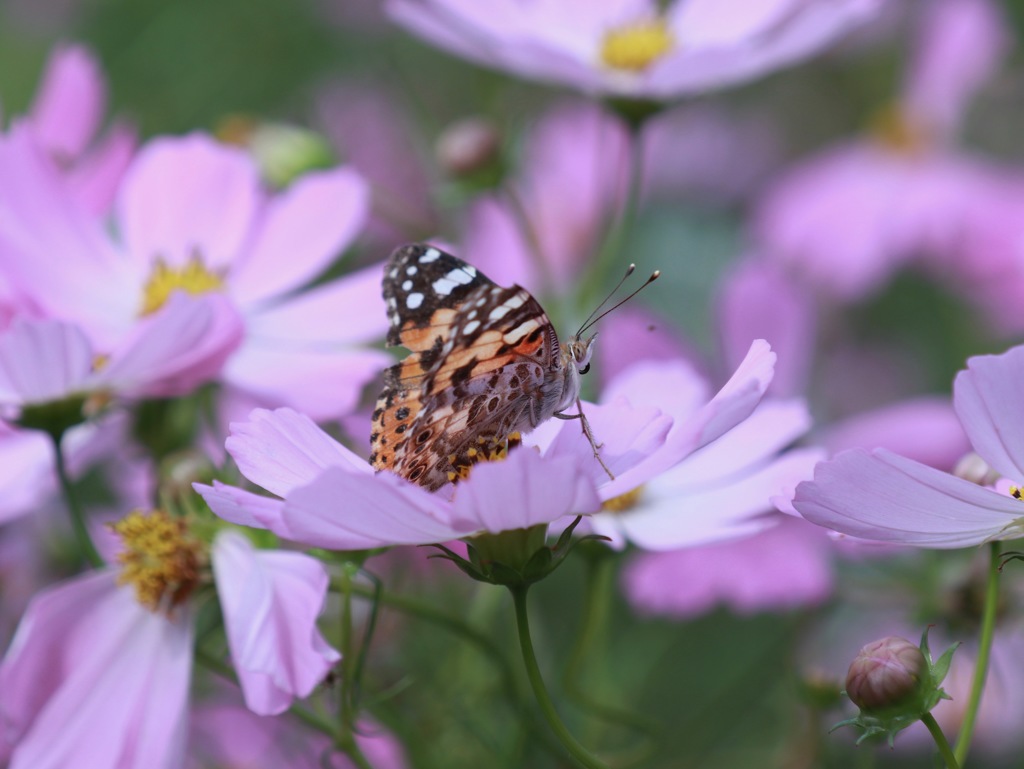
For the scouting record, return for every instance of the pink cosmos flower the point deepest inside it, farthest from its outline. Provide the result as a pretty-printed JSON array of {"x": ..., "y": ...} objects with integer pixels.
[
  {"x": 192, "y": 217},
  {"x": 883, "y": 496},
  {"x": 848, "y": 218},
  {"x": 333, "y": 499},
  {"x": 633, "y": 48},
  {"x": 93, "y": 675},
  {"x": 719, "y": 482},
  {"x": 92, "y": 678},
  {"x": 65, "y": 119}
]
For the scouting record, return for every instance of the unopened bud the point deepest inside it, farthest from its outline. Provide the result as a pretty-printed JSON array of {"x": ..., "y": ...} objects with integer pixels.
[
  {"x": 886, "y": 674},
  {"x": 976, "y": 470},
  {"x": 468, "y": 146}
]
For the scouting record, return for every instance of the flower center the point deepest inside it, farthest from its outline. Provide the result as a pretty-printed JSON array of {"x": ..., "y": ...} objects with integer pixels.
[
  {"x": 896, "y": 131},
  {"x": 160, "y": 560},
  {"x": 623, "y": 502},
  {"x": 194, "y": 278},
  {"x": 489, "y": 448},
  {"x": 634, "y": 47}
]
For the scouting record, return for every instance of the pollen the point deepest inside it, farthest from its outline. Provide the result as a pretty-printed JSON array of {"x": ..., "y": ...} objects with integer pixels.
[
  {"x": 623, "y": 502},
  {"x": 634, "y": 47},
  {"x": 194, "y": 278},
  {"x": 894, "y": 129},
  {"x": 489, "y": 448},
  {"x": 1016, "y": 492},
  {"x": 159, "y": 558}
]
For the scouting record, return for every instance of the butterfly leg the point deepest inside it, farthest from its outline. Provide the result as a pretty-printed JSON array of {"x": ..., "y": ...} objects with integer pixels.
[{"x": 585, "y": 425}]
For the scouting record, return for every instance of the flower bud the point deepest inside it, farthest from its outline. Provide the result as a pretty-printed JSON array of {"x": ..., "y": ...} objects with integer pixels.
[
  {"x": 973, "y": 468},
  {"x": 886, "y": 674},
  {"x": 468, "y": 146}
]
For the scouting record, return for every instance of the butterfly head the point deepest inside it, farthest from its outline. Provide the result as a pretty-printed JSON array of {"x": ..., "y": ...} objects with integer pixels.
[{"x": 578, "y": 352}]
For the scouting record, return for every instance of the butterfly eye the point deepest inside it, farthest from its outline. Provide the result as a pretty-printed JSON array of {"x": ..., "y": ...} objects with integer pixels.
[{"x": 585, "y": 369}]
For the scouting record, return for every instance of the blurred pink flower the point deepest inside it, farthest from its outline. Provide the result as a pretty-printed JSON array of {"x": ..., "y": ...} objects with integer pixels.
[
  {"x": 847, "y": 219},
  {"x": 192, "y": 217},
  {"x": 883, "y": 496},
  {"x": 549, "y": 223},
  {"x": 333, "y": 499},
  {"x": 226, "y": 735},
  {"x": 786, "y": 566},
  {"x": 91, "y": 663},
  {"x": 94, "y": 679},
  {"x": 633, "y": 48},
  {"x": 65, "y": 119},
  {"x": 757, "y": 300},
  {"x": 167, "y": 354},
  {"x": 270, "y": 600}
]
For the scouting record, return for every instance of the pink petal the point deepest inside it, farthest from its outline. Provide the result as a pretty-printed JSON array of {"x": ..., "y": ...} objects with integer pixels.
[
  {"x": 178, "y": 348},
  {"x": 98, "y": 680},
  {"x": 630, "y": 335},
  {"x": 347, "y": 510},
  {"x": 522, "y": 491},
  {"x": 738, "y": 397},
  {"x": 271, "y": 600},
  {"x": 785, "y": 567},
  {"x": 188, "y": 196},
  {"x": 923, "y": 429},
  {"x": 672, "y": 385},
  {"x": 349, "y": 310},
  {"x": 245, "y": 508},
  {"x": 325, "y": 384},
  {"x": 94, "y": 180},
  {"x": 26, "y": 471},
  {"x": 69, "y": 105},
  {"x": 729, "y": 22},
  {"x": 282, "y": 450},
  {"x": 961, "y": 45},
  {"x": 882, "y": 496},
  {"x": 987, "y": 400},
  {"x": 495, "y": 244},
  {"x": 42, "y": 361},
  {"x": 758, "y": 301},
  {"x": 56, "y": 252},
  {"x": 669, "y": 517},
  {"x": 303, "y": 230}
]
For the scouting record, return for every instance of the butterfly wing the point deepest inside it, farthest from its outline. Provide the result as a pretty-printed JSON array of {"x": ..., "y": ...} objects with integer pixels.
[{"x": 484, "y": 363}]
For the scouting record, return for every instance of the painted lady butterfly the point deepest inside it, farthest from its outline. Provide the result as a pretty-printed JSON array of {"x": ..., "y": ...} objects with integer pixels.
[{"x": 486, "y": 363}]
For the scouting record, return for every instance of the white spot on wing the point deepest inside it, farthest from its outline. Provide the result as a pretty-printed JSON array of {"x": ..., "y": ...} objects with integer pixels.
[
  {"x": 470, "y": 327},
  {"x": 413, "y": 301},
  {"x": 499, "y": 312},
  {"x": 411, "y": 270},
  {"x": 407, "y": 285},
  {"x": 430, "y": 255}
]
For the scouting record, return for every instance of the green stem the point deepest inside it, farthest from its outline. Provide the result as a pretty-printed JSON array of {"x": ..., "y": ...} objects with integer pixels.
[
  {"x": 600, "y": 574},
  {"x": 85, "y": 542},
  {"x": 940, "y": 740},
  {"x": 481, "y": 641},
  {"x": 988, "y": 625},
  {"x": 580, "y": 753},
  {"x": 344, "y": 737}
]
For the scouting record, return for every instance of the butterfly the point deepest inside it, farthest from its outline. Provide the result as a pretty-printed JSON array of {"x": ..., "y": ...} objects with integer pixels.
[{"x": 485, "y": 364}]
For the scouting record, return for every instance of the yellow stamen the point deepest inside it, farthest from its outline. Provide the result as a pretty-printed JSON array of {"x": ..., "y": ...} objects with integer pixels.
[
  {"x": 894, "y": 129},
  {"x": 490, "y": 449},
  {"x": 1016, "y": 492},
  {"x": 160, "y": 560},
  {"x": 623, "y": 502},
  {"x": 634, "y": 47},
  {"x": 193, "y": 278}
]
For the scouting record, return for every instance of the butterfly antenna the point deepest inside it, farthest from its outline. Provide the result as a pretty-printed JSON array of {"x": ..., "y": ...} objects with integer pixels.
[
  {"x": 629, "y": 271},
  {"x": 592, "y": 320}
]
